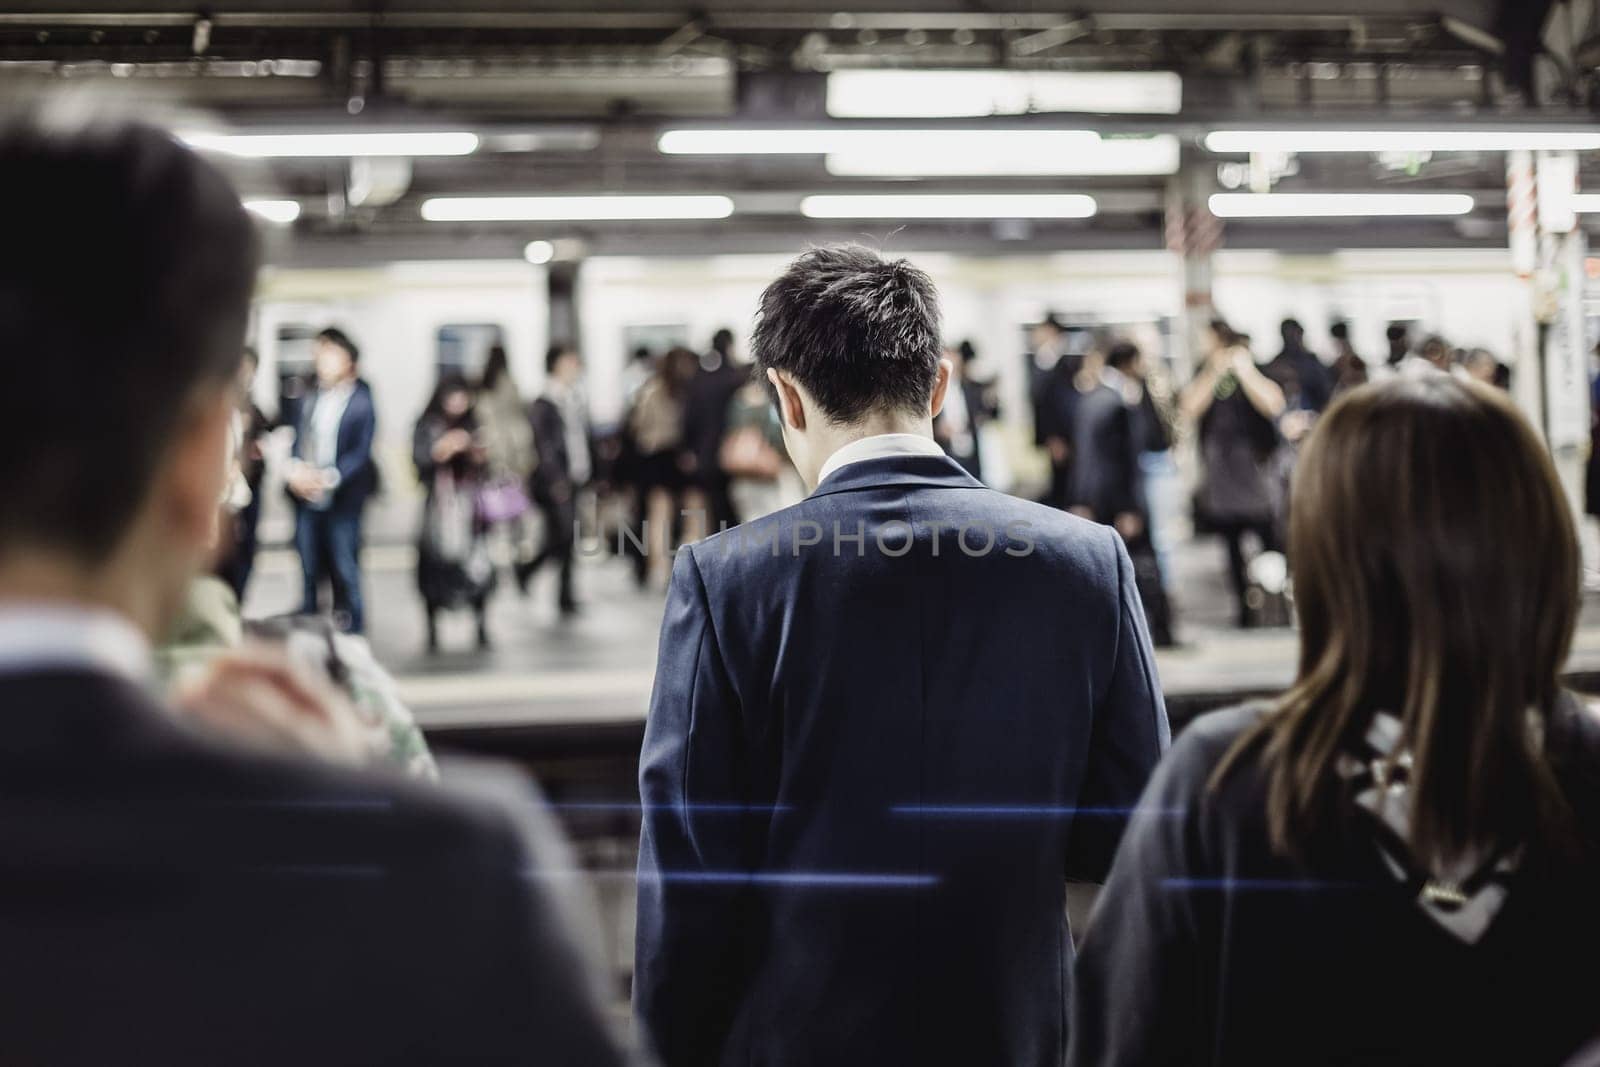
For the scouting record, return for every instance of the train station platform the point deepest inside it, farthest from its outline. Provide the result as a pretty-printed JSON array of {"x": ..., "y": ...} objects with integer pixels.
[{"x": 553, "y": 687}]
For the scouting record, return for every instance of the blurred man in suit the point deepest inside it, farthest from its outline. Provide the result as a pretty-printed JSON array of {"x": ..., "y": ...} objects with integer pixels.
[
  {"x": 561, "y": 438},
  {"x": 1114, "y": 416},
  {"x": 889, "y": 724},
  {"x": 705, "y": 426},
  {"x": 332, "y": 477},
  {"x": 165, "y": 896}
]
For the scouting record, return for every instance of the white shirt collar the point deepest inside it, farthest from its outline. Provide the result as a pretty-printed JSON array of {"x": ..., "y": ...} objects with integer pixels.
[
  {"x": 45, "y": 635},
  {"x": 879, "y": 446}
]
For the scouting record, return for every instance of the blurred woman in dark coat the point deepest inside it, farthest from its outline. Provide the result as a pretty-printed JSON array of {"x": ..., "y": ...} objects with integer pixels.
[{"x": 454, "y": 568}]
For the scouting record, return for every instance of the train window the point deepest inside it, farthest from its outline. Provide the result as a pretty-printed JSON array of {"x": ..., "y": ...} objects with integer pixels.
[
  {"x": 296, "y": 369},
  {"x": 654, "y": 337},
  {"x": 464, "y": 348}
]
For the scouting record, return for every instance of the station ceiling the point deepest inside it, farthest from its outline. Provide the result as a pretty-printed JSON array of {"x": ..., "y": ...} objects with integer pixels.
[{"x": 570, "y": 97}]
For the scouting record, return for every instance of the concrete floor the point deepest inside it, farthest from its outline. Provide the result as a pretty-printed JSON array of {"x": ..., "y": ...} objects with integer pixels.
[{"x": 597, "y": 668}]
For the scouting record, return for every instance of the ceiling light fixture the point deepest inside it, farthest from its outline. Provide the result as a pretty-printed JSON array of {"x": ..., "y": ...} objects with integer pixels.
[
  {"x": 573, "y": 208},
  {"x": 1231, "y": 142},
  {"x": 826, "y": 141},
  {"x": 335, "y": 145},
  {"x": 281, "y": 212},
  {"x": 1336, "y": 205},
  {"x": 1127, "y": 156},
  {"x": 950, "y": 206},
  {"x": 905, "y": 94}
]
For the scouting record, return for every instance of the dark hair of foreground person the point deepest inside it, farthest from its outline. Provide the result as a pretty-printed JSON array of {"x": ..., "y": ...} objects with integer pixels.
[{"x": 1436, "y": 570}]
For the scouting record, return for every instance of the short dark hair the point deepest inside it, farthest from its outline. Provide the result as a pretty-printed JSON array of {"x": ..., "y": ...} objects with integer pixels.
[
  {"x": 1397, "y": 331},
  {"x": 133, "y": 294},
  {"x": 335, "y": 336},
  {"x": 1340, "y": 330},
  {"x": 722, "y": 340},
  {"x": 861, "y": 333},
  {"x": 1291, "y": 328},
  {"x": 1122, "y": 355}
]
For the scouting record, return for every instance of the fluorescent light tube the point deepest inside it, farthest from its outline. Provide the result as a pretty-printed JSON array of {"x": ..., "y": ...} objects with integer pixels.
[
  {"x": 1296, "y": 141},
  {"x": 1336, "y": 205},
  {"x": 825, "y": 141},
  {"x": 281, "y": 212},
  {"x": 904, "y": 94},
  {"x": 335, "y": 145},
  {"x": 573, "y": 208},
  {"x": 1113, "y": 156},
  {"x": 950, "y": 206}
]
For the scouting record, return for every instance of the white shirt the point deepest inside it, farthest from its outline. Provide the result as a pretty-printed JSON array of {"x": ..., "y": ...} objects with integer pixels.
[
  {"x": 574, "y": 408},
  {"x": 879, "y": 446},
  {"x": 325, "y": 419},
  {"x": 45, "y": 635}
]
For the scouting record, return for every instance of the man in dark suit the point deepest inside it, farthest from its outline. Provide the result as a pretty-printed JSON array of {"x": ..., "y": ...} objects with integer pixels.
[
  {"x": 1055, "y": 399},
  {"x": 1306, "y": 381},
  {"x": 705, "y": 425},
  {"x": 1108, "y": 483},
  {"x": 166, "y": 897},
  {"x": 561, "y": 438},
  {"x": 889, "y": 724},
  {"x": 332, "y": 477}
]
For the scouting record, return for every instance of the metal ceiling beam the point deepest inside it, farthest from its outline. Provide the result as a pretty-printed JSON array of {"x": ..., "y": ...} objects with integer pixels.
[{"x": 669, "y": 20}]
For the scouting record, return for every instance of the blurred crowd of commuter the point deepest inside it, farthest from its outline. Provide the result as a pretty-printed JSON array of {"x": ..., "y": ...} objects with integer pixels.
[{"x": 1247, "y": 417}]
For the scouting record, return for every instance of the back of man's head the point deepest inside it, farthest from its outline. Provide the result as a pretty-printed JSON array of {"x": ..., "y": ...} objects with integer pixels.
[
  {"x": 126, "y": 293},
  {"x": 858, "y": 332}
]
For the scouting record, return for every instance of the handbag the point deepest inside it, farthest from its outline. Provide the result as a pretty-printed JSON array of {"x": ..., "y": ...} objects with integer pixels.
[
  {"x": 501, "y": 501},
  {"x": 746, "y": 453}
]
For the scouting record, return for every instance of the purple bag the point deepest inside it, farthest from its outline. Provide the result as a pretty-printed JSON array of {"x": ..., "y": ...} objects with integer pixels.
[{"x": 501, "y": 502}]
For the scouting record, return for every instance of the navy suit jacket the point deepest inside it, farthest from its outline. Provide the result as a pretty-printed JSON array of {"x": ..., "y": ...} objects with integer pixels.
[
  {"x": 165, "y": 899},
  {"x": 878, "y": 748},
  {"x": 358, "y": 474}
]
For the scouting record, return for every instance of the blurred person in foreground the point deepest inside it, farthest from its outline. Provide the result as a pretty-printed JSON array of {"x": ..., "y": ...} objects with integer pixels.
[
  {"x": 560, "y": 420},
  {"x": 454, "y": 568},
  {"x": 331, "y": 478},
  {"x": 170, "y": 895},
  {"x": 1397, "y": 860},
  {"x": 1236, "y": 408},
  {"x": 889, "y": 723}
]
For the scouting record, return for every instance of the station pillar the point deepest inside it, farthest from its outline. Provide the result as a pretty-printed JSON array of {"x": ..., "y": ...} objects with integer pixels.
[
  {"x": 1553, "y": 370},
  {"x": 1194, "y": 234}
]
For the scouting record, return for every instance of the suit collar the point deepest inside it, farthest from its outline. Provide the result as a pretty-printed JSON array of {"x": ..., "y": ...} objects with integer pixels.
[{"x": 930, "y": 471}]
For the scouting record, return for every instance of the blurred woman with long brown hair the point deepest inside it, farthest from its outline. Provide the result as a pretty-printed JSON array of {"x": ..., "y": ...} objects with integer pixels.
[{"x": 1394, "y": 862}]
